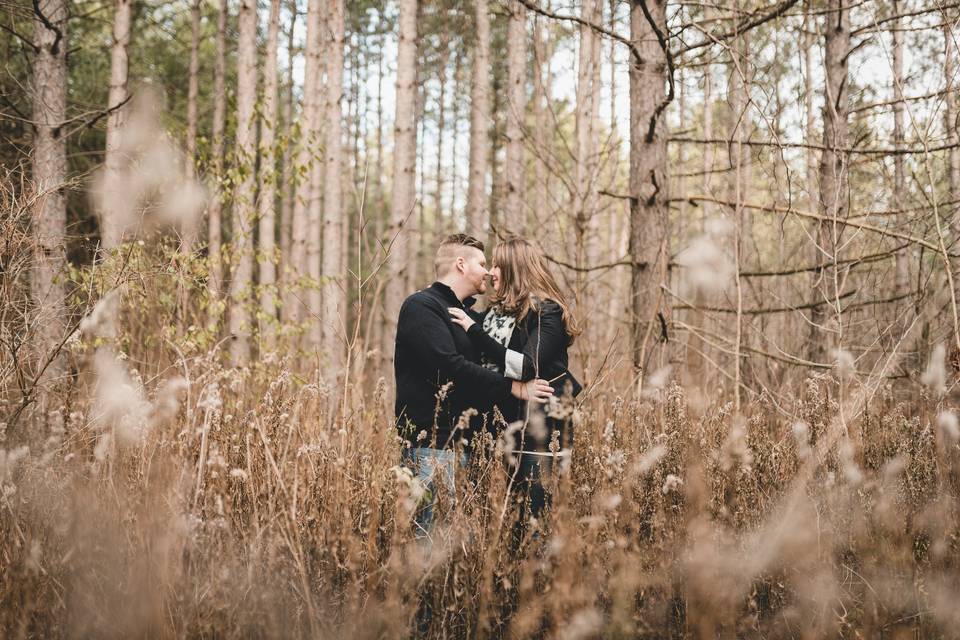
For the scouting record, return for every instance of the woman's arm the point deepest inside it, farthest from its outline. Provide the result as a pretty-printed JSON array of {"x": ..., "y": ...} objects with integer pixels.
[{"x": 546, "y": 342}]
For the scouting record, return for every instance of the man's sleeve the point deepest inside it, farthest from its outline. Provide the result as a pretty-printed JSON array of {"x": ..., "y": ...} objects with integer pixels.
[{"x": 428, "y": 335}]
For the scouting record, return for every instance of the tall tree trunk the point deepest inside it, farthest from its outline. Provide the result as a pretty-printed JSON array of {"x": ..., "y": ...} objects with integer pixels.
[
  {"x": 404, "y": 162},
  {"x": 49, "y": 173},
  {"x": 833, "y": 172},
  {"x": 899, "y": 179},
  {"x": 215, "y": 209},
  {"x": 952, "y": 136},
  {"x": 444, "y": 58},
  {"x": 300, "y": 228},
  {"x": 378, "y": 301},
  {"x": 188, "y": 233},
  {"x": 539, "y": 109},
  {"x": 315, "y": 204},
  {"x": 477, "y": 213},
  {"x": 649, "y": 223},
  {"x": 737, "y": 98},
  {"x": 286, "y": 167},
  {"x": 266, "y": 205},
  {"x": 587, "y": 94},
  {"x": 334, "y": 301},
  {"x": 111, "y": 226},
  {"x": 513, "y": 209},
  {"x": 951, "y": 125},
  {"x": 244, "y": 204}
]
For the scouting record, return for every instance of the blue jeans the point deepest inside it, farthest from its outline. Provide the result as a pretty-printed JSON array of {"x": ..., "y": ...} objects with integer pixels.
[{"x": 427, "y": 464}]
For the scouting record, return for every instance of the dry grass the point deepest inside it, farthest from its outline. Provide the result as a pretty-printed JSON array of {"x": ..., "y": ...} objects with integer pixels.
[
  {"x": 256, "y": 510},
  {"x": 177, "y": 497}
]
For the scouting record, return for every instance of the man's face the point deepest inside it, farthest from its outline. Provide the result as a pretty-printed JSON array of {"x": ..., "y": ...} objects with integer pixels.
[{"x": 473, "y": 269}]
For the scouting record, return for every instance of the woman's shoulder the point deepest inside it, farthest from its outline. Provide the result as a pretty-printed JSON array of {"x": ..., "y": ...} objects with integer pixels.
[{"x": 543, "y": 306}]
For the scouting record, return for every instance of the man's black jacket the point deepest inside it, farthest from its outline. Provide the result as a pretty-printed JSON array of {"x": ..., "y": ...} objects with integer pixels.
[{"x": 430, "y": 353}]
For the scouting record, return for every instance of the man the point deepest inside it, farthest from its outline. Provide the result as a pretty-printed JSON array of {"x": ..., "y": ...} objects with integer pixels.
[{"x": 437, "y": 368}]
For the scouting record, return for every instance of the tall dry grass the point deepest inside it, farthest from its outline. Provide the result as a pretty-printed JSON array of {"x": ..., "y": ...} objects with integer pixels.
[
  {"x": 179, "y": 497},
  {"x": 196, "y": 500}
]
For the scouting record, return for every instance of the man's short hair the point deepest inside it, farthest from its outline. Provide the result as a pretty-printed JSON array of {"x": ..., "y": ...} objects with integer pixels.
[{"x": 453, "y": 247}]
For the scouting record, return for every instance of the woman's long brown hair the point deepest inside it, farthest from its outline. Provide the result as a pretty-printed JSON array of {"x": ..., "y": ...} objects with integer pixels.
[{"x": 526, "y": 281}]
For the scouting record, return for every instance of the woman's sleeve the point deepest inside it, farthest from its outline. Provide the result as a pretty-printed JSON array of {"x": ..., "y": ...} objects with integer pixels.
[
  {"x": 493, "y": 350},
  {"x": 546, "y": 342}
]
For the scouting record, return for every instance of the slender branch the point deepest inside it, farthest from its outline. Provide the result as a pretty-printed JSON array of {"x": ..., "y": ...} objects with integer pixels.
[
  {"x": 529, "y": 4},
  {"x": 26, "y": 41},
  {"x": 816, "y": 147},
  {"x": 775, "y": 12},
  {"x": 817, "y": 216}
]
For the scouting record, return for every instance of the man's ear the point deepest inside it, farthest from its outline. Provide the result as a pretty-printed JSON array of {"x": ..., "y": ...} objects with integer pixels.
[{"x": 460, "y": 264}]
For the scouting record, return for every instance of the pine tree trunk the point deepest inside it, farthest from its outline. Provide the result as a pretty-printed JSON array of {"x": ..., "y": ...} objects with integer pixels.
[
  {"x": 953, "y": 138},
  {"x": 899, "y": 178},
  {"x": 334, "y": 302},
  {"x": 833, "y": 171},
  {"x": 266, "y": 205},
  {"x": 307, "y": 143},
  {"x": 215, "y": 209},
  {"x": 286, "y": 168},
  {"x": 244, "y": 204},
  {"x": 189, "y": 231},
  {"x": 649, "y": 223},
  {"x": 951, "y": 124},
  {"x": 539, "y": 109},
  {"x": 477, "y": 214},
  {"x": 111, "y": 227},
  {"x": 441, "y": 124},
  {"x": 587, "y": 93},
  {"x": 513, "y": 209},
  {"x": 315, "y": 204},
  {"x": 404, "y": 163},
  {"x": 49, "y": 173}
]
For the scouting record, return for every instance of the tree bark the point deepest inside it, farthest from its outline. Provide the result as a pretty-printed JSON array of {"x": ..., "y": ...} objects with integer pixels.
[
  {"x": 833, "y": 171},
  {"x": 539, "y": 109},
  {"x": 444, "y": 57},
  {"x": 899, "y": 179},
  {"x": 244, "y": 204},
  {"x": 111, "y": 227},
  {"x": 266, "y": 205},
  {"x": 649, "y": 224},
  {"x": 188, "y": 234},
  {"x": 49, "y": 173},
  {"x": 334, "y": 302},
  {"x": 215, "y": 210},
  {"x": 477, "y": 214},
  {"x": 950, "y": 125},
  {"x": 286, "y": 168},
  {"x": 301, "y": 228},
  {"x": 584, "y": 122},
  {"x": 404, "y": 163},
  {"x": 513, "y": 209}
]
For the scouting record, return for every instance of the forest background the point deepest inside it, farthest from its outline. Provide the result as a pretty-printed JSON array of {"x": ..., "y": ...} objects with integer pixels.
[{"x": 213, "y": 210}]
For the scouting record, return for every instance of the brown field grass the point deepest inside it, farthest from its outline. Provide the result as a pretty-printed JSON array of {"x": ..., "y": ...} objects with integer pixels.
[{"x": 246, "y": 503}]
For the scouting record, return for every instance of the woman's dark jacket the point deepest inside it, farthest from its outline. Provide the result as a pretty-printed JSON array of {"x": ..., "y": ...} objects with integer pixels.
[{"x": 537, "y": 349}]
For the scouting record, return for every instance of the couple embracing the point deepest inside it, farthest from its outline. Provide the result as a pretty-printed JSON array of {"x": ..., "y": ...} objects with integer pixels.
[{"x": 457, "y": 368}]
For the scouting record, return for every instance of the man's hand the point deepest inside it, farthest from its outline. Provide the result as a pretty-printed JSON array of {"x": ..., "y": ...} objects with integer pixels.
[
  {"x": 458, "y": 316},
  {"x": 537, "y": 390}
]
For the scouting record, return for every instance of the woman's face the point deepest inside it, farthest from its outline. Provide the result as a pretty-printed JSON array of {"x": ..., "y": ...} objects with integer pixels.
[{"x": 495, "y": 277}]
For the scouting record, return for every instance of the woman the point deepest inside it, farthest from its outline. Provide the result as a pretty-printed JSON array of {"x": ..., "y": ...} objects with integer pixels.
[{"x": 525, "y": 334}]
